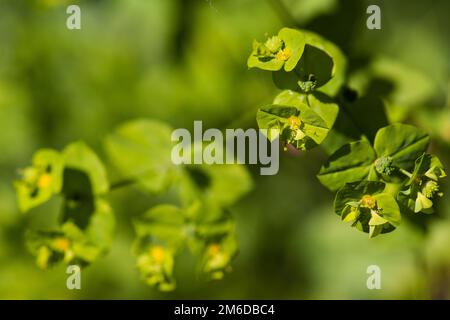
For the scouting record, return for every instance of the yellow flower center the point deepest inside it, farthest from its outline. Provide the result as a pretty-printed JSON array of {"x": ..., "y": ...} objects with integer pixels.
[
  {"x": 61, "y": 244},
  {"x": 284, "y": 54},
  {"x": 45, "y": 180},
  {"x": 158, "y": 254},
  {"x": 294, "y": 122},
  {"x": 213, "y": 250},
  {"x": 368, "y": 202}
]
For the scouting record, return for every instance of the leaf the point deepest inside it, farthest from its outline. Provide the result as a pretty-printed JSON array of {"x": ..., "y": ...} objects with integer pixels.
[
  {"x": 403, "y": 88},
  {"x": 368, "y": 113},
  {"x": 264, "y": 64},
  {"x": 403, "y": 143},
  {"x": 295, "y": 41},
  {"x": 352, "y": 162},
  {"x": 100, "y": 230},
  {"x": 141, "y": 150},
  {"x": 391, "y": 211}
]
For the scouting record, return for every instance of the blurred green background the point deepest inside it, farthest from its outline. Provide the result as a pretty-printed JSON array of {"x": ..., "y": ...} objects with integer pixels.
[{"x": 185, "y": 60}]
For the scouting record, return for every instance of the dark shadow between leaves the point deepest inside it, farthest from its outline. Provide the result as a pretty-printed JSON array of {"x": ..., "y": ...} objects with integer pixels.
[
  {"x": 199, "y": 177},
  {"x": 79, "y": 202}
]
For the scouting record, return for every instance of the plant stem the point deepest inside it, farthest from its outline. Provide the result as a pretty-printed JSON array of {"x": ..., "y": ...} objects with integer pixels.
[
  {"x": 307, "y": 100},
  {"x": 122, "y": 184},
  {"x": 406, "y": 173}
]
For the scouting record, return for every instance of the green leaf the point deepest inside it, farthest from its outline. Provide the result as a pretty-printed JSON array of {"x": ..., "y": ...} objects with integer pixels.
[
  {"x": 352, "y": 162},
  {"x": 269, "y": 64},
  {"x": 395, "y": 146},
  {"x": 101, "y": 227},
  {"x": 390, "y": 209},
  {"x": 141, "y": 150},
  {"x": 366, "y": 114},
  {"x": 403, "y": 143},
  {"x": 40, "y": 181},
  {"x": 295, "y": 42},
  {"x": 403, "y": 88}
]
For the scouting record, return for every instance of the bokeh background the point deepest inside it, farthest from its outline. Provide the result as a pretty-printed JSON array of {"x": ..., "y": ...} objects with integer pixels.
[{"x": 185, "y": 60}]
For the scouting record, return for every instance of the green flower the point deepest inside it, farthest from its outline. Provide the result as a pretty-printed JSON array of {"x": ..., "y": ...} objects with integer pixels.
[
  {"x": 368, "y": 207},
  {"x": 217, "y": 257},
  {"x": 422, "y": 188},
  {"x": 383, "y": 165},
  {"x": 66, "y": 244},
  {"x": 155, "y": 264},
  {"x": 40, "y": 181},
  {"x": 309, "y": 85},
  {"x": 274, "y": 45},
  {"x": 298, "y": 126},
  {"x": 283, "y": 50}
]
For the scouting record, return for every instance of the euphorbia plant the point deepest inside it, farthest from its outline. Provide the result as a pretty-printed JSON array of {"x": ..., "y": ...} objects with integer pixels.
[
  {"x": 379, "y": 173},
  {"x": 379, "y": 176}
]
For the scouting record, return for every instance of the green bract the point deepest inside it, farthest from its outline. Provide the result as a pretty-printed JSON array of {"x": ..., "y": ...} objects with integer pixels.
[
  {"x": 70, "y": 243},
  {"x": 40, "y": 181},
  {"x": 422, "y": 188},
  {"x": 141, "y": 151},
  {"x": 298, "y": 126},
  {"x": 279, "y": 51},
  {"x": 323, "y": 106},
  {"x": 395, "y": 147},
  {"x": 368, "y": 207}
]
